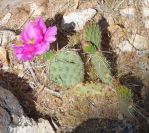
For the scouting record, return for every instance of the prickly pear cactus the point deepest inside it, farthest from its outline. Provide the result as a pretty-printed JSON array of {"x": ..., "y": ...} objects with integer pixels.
[
  {"x": 102, "y": 68},
  {"x": 66, "y": 69},
  {"x": 87, "y": 90},
  {"x": 93, "y": 34},
  {"x": 125, "y": 99}
]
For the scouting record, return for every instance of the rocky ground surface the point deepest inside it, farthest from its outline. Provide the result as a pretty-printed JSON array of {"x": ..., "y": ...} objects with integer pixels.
[
  {"x": 13, "y": 119},
  {"x": 39, "y": 106}
]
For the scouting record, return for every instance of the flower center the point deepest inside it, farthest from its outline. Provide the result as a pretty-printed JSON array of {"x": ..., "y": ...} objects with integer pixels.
[{"x": 32, "y": 41}]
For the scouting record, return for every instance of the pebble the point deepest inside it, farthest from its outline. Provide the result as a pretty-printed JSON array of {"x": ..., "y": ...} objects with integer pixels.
[
  {"x": 128, "y": 12},
  {"x": 6, "y": 36},
  {"x": 77, "y": 20},
  {"x": 36, "y": 9},
  {"x": 136, "y": 42},
  {"x": 125, "y": 46},
  {"x": 5, "y": 19},
  {"x": 145, "y": 11},
  {"x": 146, "y": 23},
  {"x": 4, "y": 59},
  {"x": 27, "y": 125},
  {"x": 6, "y": 5},
  {"x": 139, "y": 42},
  {"x": 146, "y": 2}
]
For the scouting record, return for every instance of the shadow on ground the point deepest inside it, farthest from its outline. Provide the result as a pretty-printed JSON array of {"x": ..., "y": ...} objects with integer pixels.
[
  {"x": 62, "y": 35},
  {"x": 105, "y": 46},
  {"x": 22, "y": 90},
  {"x": 104, "y": 126}
]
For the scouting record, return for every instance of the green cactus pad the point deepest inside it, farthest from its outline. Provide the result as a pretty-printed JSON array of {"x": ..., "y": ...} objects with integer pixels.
[
  {"x": 102, "y": 68},
  {"x": 87, "y": 90},
  {"x": 66, "y": 69},
  {"x": 125, "y": 97},
  {"x": 93, "y": 34}
]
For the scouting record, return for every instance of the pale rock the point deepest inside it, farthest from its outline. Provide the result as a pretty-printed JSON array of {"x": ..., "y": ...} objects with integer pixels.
[
  {"x": 139, "y": 42},
  {"x": 145, "y": 11},
  {"x": 120, "y": 116},
  {"x": 146, "y": 23},
  {"x": 125, "y": 46},
  {"x": 144, "y": 66},
  {"x": 3, "y": 57},
  {"x": 136, "y": 42},
  {"x": 36, "y": 9},
  {"x": 146, "y": 2},
  {"x": 13, "y": 119},
  {"x": 5, "y": 19},
  {"x": 77, "y": 20},
  {"x": 72, "y": 3},
  {"x": 27, "y": 125},
  {"x": 128, "y": 12},
  {"x": 143, "y": 52},
  {"x": 6, "y": 5},
  {"x": 5, "y": 68},
  {"x": 110, "y": 20},
  {"x": 6, "y": 36}
]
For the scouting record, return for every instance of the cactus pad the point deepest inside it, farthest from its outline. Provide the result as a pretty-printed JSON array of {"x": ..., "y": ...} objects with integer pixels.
[
  {"x": 125, "y": 99},
  {"x": 87, "y": 90},
  {"x": 66, "y": 69},
  {"x": 102, "y": 68},
  {"x": 93, "y": 34}
]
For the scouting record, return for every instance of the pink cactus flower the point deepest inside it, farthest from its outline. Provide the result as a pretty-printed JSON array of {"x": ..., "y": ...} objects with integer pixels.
[{"x": 35, "y": 40}]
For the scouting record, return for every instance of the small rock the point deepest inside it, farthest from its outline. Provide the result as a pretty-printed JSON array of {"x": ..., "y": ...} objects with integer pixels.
[
  {"x": 72, "y": 3},
  {"x": 125, "y": 46},
  {"x": 5, "y": 19},
  {"x": 110, "y": 20},
  {"x": 6, "y": 5},
  {"x": 6, "y": 36},
  {"x": 143, "y": 52},
  {"x": 120, "y": 116},
  {"x": 139, "y": 42},
  {"x": 144, "y": 66},
  {"x": 127, "y": 12},
  {"x": 77, "y": 20},
  {"x": 27, "y": 125},
  {"x": 3, "y": 57},
  {"x": 136, "y": 42},
  {"x": 36, "y": 9},
  {"x": 146, "y": 23},
  {"x": 146, "y": 2},
  {"x": 145, "y": 11}
]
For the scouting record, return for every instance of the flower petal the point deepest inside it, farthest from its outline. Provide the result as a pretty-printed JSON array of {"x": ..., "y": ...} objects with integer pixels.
[
  {"x": 41, "y": 48},
  {"x": 50, "y": 34},
  {"x": 24, "y": 53},
  {"x": 31, "y": 31},
  {"x": 35, "y": 40},
  {"x": 41, "y": 24}
]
